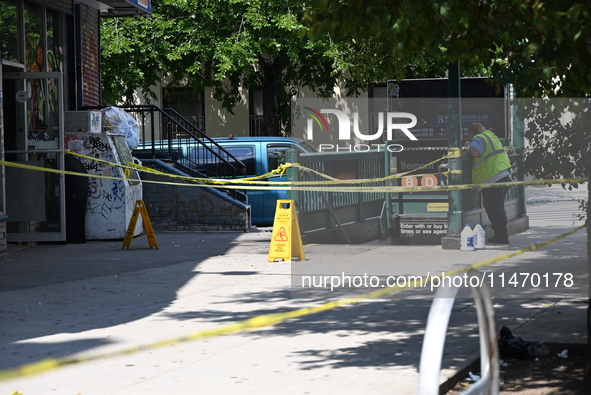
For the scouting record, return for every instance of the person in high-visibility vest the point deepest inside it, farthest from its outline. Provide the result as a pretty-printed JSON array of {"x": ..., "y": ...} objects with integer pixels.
[{"x": 491, "y": 164}]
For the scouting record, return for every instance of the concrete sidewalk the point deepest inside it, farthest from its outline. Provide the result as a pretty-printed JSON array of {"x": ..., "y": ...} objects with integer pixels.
[{"x": 61, "y": 300}]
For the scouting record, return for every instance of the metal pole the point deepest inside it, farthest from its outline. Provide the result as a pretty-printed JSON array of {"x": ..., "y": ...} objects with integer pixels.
[
  {"x": 291, "y": 156},
  {"x": 435, "y": 335},
  {"x": 388, "y": 195},
  {"x": 454, "y": 141},
  {"x": 517, "y": 126},
  {"x": 434, "y": 340}
]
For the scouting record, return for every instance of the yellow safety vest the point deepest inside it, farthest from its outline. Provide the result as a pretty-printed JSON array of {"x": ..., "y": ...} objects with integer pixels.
[{"x": 493, "y": 160}]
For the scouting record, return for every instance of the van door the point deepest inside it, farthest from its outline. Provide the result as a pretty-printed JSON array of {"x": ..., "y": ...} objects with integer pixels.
[
  {"x": 249, "y": 154},
  {"x": 275, "y": 158}
]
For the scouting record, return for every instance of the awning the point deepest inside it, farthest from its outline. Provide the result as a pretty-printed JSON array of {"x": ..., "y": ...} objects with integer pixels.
[{"x": 126, "y": 7}]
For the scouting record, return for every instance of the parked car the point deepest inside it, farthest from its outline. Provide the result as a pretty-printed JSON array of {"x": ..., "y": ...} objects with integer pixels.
[{"x": 260, "y": 155}]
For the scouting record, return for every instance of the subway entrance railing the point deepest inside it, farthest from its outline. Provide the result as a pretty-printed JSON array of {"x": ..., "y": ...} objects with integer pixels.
[{"x": 403, "y": 217}]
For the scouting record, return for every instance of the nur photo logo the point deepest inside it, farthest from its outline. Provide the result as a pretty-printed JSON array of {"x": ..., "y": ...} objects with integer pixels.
[
  {"x": 333, "y": 129},
  {"x": 392, "y": 120}
]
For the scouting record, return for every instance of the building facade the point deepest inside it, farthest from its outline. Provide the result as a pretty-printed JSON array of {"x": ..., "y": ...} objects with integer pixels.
[{"x": 50, "y": 57}]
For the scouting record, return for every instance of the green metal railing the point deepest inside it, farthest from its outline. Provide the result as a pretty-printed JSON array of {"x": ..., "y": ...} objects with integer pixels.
[
  {"x": 321, "y": 210},
  {"x": 166, "y": 134},
  {"x": 325, "y": 210}
]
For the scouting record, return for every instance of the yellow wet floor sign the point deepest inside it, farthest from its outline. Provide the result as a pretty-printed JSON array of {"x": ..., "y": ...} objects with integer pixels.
[
  {"x": 286, "y": 240},
  {"x": 140, "y": 208}
]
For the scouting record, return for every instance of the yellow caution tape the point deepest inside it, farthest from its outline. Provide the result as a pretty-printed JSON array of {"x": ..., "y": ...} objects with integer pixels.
[
  {"x": 331, "y": 185},
  {"x": 57, "y": 171},
  {"x": 279, "y": 172},
  {"x": 261, "y": 320},
  {"x": 303, "y": 185},
  {"x": 454, "y": 152},
  {"x": 129, "y": 166},
  {"x": 397, "y": 189},
  {"x": 336, "y": 181}
]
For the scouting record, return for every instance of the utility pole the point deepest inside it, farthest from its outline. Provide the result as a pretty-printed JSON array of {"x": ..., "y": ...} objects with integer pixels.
[{"x": 454, "y": 142}]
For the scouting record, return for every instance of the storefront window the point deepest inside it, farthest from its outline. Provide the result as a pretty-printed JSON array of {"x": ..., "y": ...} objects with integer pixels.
[
  {"x": 35, "y": 62},
  {"x": 54, "y": 64},
  {"x": 54, "y": 42},
  {"x": 8, "y": 31},
  {"x": 34, "y": 58}
]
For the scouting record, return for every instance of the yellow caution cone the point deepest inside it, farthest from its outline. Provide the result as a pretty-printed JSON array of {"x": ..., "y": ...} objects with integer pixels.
[
  {"x": 286, "y": 240},
  {"x": 140, "y": 208}
]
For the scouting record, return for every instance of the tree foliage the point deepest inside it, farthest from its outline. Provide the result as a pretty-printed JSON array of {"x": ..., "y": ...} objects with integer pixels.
[
  {"x": 257, "y": 45},
  {"x": 566, "y": 124},
  {"x": 541, "y": 47},
  {"x": 226, "y": 45}
]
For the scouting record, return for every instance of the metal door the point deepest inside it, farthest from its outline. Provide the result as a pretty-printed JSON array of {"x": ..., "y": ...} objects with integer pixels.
[{"x": 34, "y": 141}]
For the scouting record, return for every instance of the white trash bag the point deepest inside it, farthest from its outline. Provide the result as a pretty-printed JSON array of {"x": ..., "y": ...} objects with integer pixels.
[{"x": 122, "y": 123}]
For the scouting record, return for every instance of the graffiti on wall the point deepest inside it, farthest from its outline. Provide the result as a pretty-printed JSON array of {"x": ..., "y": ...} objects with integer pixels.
[
  {"x": 103, "y": 202},
  {"x": 181, "y": 207},
  {"x": 105, "y": 196}
]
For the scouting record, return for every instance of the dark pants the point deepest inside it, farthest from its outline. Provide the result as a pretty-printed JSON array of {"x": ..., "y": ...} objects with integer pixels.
[{"x": 494, "y": 205}]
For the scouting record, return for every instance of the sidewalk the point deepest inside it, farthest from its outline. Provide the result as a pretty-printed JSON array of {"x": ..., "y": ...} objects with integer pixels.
[
  {"x": 555, "y": 193},
  {"x": 60, "y": 300}
]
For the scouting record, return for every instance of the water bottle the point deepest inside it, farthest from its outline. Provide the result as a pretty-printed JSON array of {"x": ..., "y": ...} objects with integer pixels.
[
  {"x": 467, "y": 239},
  {"x": 479, "y": 237}
]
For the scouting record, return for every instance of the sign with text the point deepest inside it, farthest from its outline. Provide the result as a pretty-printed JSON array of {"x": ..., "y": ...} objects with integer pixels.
[
  {"x": 481, "y": 101},
  {"x": 423, "y": 229},
  {"x": 142, "y": 4}
]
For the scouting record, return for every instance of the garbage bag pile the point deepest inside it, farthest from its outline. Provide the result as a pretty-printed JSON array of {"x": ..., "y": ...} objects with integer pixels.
[
  {"x": 121, "y": 122},
  {"x": 515, "y": 347}
]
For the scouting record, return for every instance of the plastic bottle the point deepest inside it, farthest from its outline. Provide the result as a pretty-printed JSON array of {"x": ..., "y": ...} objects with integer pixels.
[
  {"x": 479, "y": 237},
  {"x": 467, "y": 239}
]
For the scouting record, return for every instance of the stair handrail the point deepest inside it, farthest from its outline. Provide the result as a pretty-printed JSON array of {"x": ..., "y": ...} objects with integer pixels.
[{"x": 190, "y": 135}]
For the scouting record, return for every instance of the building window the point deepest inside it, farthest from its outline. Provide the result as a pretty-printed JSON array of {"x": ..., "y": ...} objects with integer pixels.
[
  {"x": 187, "y": 102},
  {"x": 378, "y": 104},
  {"x": 257, "y": 121},
  {"x": 259, "y": 125},
  {"x": 55, "y": 48}
]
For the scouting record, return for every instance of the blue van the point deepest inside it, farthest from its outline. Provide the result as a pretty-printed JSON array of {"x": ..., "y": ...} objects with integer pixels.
[{"x": 260, "y": 155}]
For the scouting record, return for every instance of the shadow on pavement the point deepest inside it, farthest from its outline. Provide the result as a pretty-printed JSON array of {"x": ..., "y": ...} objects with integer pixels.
[{"x": 54, "y": 289}]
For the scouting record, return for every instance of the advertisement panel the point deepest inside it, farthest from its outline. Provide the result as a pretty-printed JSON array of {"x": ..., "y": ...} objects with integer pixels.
[{"x": 145, "y": 5}]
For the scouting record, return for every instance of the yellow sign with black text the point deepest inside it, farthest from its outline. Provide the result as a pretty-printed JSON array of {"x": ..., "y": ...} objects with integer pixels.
[
  {"x": 286, "y": 240},
  {"x": 438, "y": 207}
]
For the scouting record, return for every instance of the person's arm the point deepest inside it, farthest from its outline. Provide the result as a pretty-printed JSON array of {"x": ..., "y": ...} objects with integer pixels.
[
  {"x": 474, "y": 152},
  {"x": 477, "y": 147}
]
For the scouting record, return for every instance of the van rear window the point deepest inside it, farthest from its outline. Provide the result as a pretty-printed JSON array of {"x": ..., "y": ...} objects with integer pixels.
[
  {"x": 160, "y": 153},
  {"x": 219, "y": 163}
]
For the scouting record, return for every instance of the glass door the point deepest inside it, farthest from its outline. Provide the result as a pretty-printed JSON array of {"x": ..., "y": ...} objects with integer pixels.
[{"x": 33, "y": 131}]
